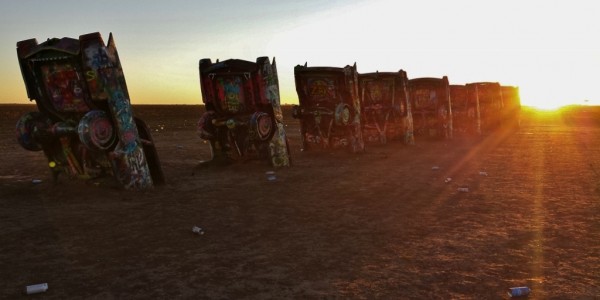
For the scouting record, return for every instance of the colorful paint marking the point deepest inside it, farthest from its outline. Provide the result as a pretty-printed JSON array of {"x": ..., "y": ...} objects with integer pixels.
[{"x": 67, "y": 78}]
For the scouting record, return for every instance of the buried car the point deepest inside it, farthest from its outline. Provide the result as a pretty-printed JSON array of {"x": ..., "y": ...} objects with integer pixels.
[
  {"x": 329, "y": 107},
  {"x": 431, "y": 106},
  {"x": 84, "y": 124},
  {"x": 488, "y": 96},
  {"x": 512, "y": 106},
  {"x": 464, "y": 110},
  {"x": 243, "y": 117},
  {"x": 386, "y": 113}
]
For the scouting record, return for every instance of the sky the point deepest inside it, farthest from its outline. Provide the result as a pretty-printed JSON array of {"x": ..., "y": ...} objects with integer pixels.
[{"x": 550, "y": 50}]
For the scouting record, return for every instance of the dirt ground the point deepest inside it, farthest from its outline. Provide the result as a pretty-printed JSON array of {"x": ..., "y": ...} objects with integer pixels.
[{"x": 378, "y": 225}]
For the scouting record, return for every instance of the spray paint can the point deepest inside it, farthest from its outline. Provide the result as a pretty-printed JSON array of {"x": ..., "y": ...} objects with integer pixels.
[
  {"x": 521, "y": 291},
  {"x": 36, "y": 288},
  {"x": 271, "y": 175}
]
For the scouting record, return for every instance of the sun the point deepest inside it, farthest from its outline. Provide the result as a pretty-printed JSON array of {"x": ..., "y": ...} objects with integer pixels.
[
  {"x": 542, "y": 95},
  {"x": 541, "y": 101}
]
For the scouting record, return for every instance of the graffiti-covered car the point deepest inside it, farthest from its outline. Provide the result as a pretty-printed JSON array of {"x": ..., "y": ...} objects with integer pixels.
[
  {"x": 431, "y": 106},
  {"x": 512, "y": 105},
  {"x": 84, "y": 124},
  {"x": 464, "y": 111},
  {"x": 329, "y": 107},
  {"x": 386, "y": 113},
  {"x": 243, "y": 118},
  {"x": 488, "y": 96}
]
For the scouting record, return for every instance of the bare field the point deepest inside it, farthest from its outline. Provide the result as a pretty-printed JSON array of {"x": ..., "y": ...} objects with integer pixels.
[{"x": 379, "y": 225}]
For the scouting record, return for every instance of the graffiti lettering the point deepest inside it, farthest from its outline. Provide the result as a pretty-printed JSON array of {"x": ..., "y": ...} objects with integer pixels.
[
  {"x": 318, "y": 88},
  {"x": 231, "y": 93},
  {"x": 90, "y": 75},
  {"x": 321, "y": 89}
]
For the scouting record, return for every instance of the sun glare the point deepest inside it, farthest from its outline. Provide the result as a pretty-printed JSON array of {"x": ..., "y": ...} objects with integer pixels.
[
  {"x": 543, "y": 98},
  {"x": 544, "y": 105}
]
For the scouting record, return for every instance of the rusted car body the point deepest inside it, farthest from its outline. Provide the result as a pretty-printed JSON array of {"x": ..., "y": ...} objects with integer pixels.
[
  {"x": 431, "y": 107},
  {"x": 464, "y": 111},
  {"x": 488, "y": 96},
  {"x": 84, "y": 124},
  {"x": 512, "y": 106},
  {"x": 329, "y": 107},
  {"x": 386, "y": 112},
  {"x": 243, "y": 118}
]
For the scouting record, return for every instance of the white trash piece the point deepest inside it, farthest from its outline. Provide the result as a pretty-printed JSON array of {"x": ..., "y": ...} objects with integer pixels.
[
  {"x": 36, "y": 181},
  {"x": 197, "y": 230},
  {"x": 448, "y": 180},
  {"x": 435, "y": 168},
  {"x": 463, "y": 189},
  {"x": 271, "y": 175},
  {"x": 482, "y": 173},
  {"x": 36, "y": 288}
]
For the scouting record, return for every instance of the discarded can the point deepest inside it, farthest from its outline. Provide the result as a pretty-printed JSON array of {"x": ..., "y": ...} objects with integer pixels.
[
  {"x": 36, "y": 288},
  {"x": 271, "y": 176},
  {"x": 519, "y": 291},
  {"x": 197, "y": 230},
  {"x": 435, "y": 168},
  {"x": 463, "y": 189}
]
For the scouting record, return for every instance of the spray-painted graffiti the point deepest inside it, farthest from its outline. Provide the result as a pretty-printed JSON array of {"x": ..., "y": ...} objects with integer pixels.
[
  {"x": 63, "y": 76},
  {"x": 231, "y": 93},
  {"x": 321, "y": 89},
  {"x": 64, "y": 86},
  {"x": 464, "y": 110},
  {"x": 385, "y": 108},
  {"x": 431, "y": 107},
  {"x": 278, "y": 146},
  {"x": 329, "y": 110},
  {"x": 128, "y": 131},
  {"x": 243, "y": 117},
  {"x": 96, "y": 57},
  {"x": 488, "y": 97},
  {"x": 425, "y": 99}
]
